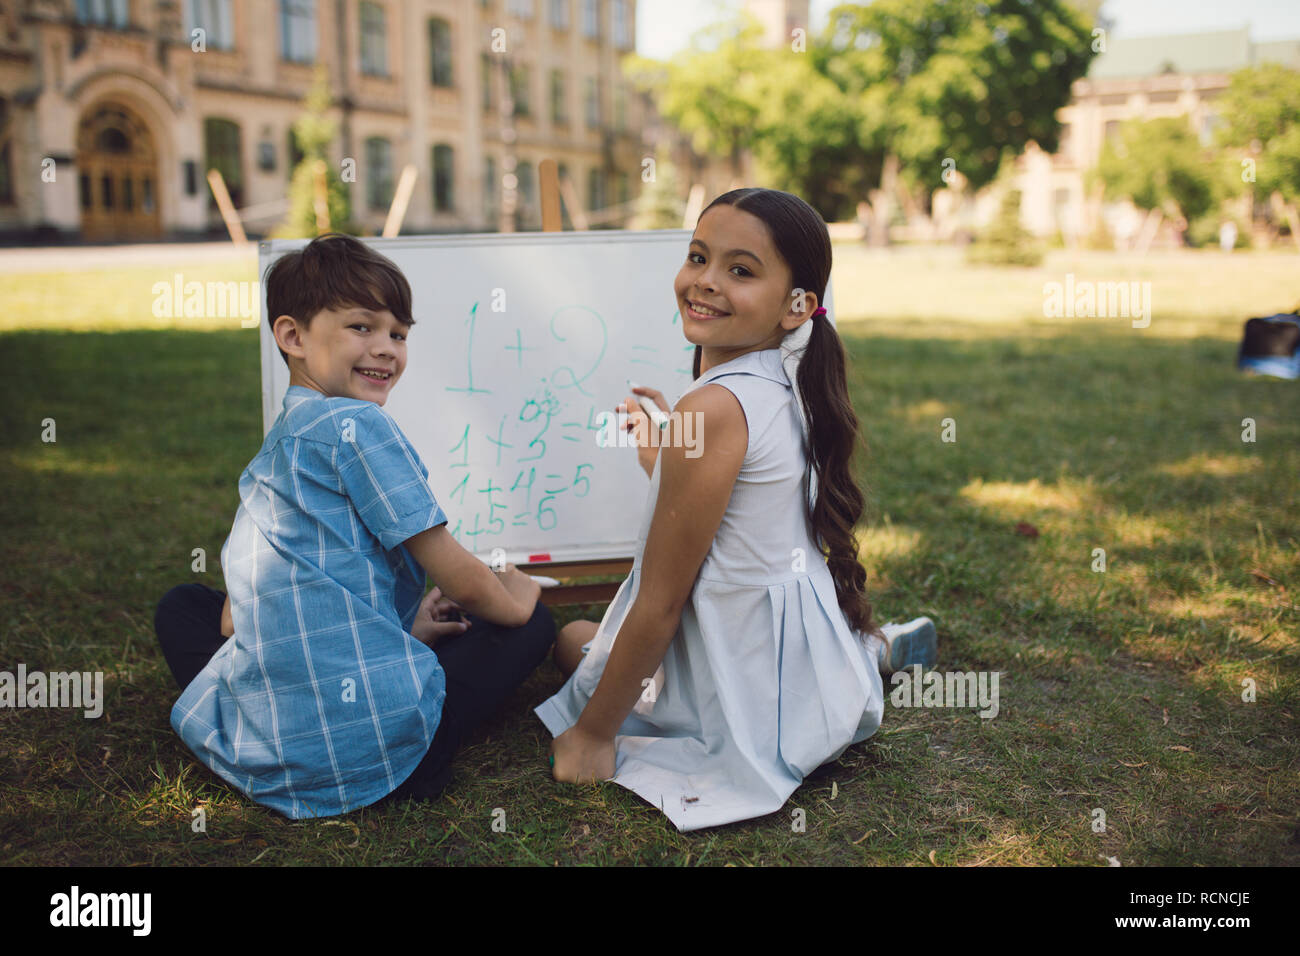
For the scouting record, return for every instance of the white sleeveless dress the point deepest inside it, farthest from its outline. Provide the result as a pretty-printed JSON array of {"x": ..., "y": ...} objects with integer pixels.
[{"x": 765, "y": 679}]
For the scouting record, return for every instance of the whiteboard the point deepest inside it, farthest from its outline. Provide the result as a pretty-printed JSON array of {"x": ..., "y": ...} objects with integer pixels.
[{"x": 521, "y": 341}]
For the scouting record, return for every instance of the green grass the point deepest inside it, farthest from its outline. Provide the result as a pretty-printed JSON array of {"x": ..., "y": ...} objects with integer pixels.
[{"x": 1119, "y": 690}]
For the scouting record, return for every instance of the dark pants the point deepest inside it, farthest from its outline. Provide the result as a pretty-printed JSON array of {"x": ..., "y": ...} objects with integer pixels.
[{"x": 483, "y": 667}]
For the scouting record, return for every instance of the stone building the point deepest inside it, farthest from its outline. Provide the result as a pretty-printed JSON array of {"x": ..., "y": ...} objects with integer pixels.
[
  {"x": 1138, "y": 77},
  {"x": 112, "y": 111}
]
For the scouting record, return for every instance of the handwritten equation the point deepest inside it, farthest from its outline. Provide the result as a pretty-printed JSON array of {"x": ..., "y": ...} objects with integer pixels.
[{"x": 521, "y": 473}]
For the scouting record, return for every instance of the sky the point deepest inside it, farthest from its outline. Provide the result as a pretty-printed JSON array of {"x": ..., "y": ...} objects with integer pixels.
[{"x": 665, "y": 26}]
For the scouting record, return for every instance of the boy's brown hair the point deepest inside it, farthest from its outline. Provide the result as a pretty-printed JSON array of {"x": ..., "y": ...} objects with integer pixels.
[{"x": 335, "y": 270}]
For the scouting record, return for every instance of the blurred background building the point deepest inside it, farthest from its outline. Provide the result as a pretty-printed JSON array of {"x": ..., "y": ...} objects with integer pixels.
[
  {"x": 1134, "y": 78},
  {"x": 111, "y": 113},
  {"x": 132, "y": 115}
]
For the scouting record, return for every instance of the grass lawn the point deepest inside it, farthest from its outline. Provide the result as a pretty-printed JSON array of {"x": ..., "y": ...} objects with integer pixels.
[{"x": 1120, "y": 690}]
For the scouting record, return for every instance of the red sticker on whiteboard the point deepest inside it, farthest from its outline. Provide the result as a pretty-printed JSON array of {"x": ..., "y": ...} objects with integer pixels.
[{"x": 539, "y": 557}]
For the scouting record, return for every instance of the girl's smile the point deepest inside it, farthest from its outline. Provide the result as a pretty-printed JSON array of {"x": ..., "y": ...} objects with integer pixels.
[{"x": 733, "y": 291}]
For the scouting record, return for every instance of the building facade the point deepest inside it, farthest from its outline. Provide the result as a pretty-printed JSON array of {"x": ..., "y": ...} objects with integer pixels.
[
  {"x": 113, "y": 111},
  {"x": 1133, "y": 78}
]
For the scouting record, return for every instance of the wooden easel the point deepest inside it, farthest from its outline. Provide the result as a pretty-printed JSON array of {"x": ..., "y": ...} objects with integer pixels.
[{"x": 548, "y": 172}]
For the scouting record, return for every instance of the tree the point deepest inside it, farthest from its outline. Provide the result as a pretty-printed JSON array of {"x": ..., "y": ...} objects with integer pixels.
[
  {"x": 889, "y": 91},
  {"x": 315, "y": 131},
  {"x": 1261, "y": 112},
  {"x": 1007, "y": 242},
  {"x": 659, "y": 206},
  {"x": 708, "y": 90},
  {"x": 1160, "y": 166},
  {"x": 955, "y": 84}
]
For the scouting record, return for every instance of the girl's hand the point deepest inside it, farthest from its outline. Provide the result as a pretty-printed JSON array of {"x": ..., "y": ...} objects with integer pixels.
[
  {"x": 648, "y": 453},
  {"x": 581, "y": 757},
  {"x": 436, "y": 619}
]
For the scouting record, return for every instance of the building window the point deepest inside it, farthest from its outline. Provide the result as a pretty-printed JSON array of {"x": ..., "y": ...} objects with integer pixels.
[
  {"x": 374, "y": 40},
  {"x": 592, "y": 103},
  {"x": 491, "y": 189},
  {"x": 440, "y": 52},
  {"x": 622, "y": 31},
  {"x": 489, "y": 66},
  {"x": 379, "y": 172},
  {"x": 215, "y": 19},
  {"x": 298, "y": 30},
  {"x": 443, "y": 179},
  {"x": 221, "y": 152},
  {"x": 6, "y": 176},
  {"x": 104, "y": 13},
  {"x": 523, "y": 9},
  {"x": 591, "y": 19},
  {"x": 560, "y": 14},
  {"x": 559, "y": 115},
  {"x": 524, "y": 209},
  {"x": 519, "y": 84},
  {"x": 595, "y": 190},
  {"x": 620, "y": 106}
]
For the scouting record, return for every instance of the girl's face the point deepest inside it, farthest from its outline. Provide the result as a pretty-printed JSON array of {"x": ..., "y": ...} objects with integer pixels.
[{"x": 732, "y": 267}]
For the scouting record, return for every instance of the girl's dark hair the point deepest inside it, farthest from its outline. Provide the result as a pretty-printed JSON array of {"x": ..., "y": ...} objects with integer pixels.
[
  {"x": 801, "y": 239},
  {"x": 335, "y": 270}
]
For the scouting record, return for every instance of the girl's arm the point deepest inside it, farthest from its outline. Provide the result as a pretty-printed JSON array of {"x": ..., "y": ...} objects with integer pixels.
[{"x": 693, "y": 497}]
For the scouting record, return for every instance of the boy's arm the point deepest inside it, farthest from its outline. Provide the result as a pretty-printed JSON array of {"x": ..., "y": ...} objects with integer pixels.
[
  {"x": 507, "y": 599},
  {"x": 227, "y": 620}
]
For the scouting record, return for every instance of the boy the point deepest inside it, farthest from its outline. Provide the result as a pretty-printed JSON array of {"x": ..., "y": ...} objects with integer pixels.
[{"x": 313, "y": 688}]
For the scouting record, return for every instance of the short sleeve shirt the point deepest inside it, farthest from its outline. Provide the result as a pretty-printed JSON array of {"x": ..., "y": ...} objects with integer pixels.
[{"x": 322, "y": 701}]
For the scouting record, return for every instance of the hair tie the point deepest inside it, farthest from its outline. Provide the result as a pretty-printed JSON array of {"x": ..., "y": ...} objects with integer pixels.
[{"x": 819, "y": 311}]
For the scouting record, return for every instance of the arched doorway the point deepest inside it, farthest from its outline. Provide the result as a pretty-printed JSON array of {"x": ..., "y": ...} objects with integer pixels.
[{"x": 118, "y": 174}]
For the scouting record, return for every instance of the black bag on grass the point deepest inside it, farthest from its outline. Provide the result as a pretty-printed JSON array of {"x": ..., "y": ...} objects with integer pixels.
[{"x": 1271, "y": 346}]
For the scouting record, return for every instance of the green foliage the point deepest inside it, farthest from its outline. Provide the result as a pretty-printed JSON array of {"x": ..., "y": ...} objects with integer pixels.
[
  {"x": 708, "y": 90},
  {"x": 926, "y": 80},
  {"x": 659, "y": 205},
  {"x": 1204, "y": 232},
  {"x": 1261, "y": 110},
  {"x": 970, "y": 80},
  {"x": 315, "y": 131},
  {"x": 1159, "y": 164},
  {"x": 1006, "y": 242}
]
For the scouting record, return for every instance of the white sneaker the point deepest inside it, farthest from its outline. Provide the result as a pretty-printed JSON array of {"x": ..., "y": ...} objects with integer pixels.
[{"x": 915, "y": 642}]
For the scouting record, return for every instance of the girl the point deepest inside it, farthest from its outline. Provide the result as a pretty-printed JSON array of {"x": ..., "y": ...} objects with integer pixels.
[{"x": 746, "y": 600}]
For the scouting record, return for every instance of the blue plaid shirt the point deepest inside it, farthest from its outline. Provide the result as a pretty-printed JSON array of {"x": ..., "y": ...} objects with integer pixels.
[{"x": 322, "y": 701}]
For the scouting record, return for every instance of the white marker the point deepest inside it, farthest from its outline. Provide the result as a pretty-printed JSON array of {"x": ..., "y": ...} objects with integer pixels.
[
  {"x": 545, "y": 582},
  {"x": 654, "y": 411}
]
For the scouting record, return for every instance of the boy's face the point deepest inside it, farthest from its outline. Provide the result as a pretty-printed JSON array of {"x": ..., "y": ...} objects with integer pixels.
[{"x": 333, "y": 354}]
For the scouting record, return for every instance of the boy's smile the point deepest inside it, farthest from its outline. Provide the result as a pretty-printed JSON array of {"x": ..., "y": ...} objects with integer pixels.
[
  {"x": 348, "y": 352},
  {"x": 733, "y": 268}
]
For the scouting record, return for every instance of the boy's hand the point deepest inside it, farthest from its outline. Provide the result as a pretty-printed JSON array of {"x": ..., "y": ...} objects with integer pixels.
[
  {"x": 437, "y": 619},
  {"x": 581, "y": 757}
]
